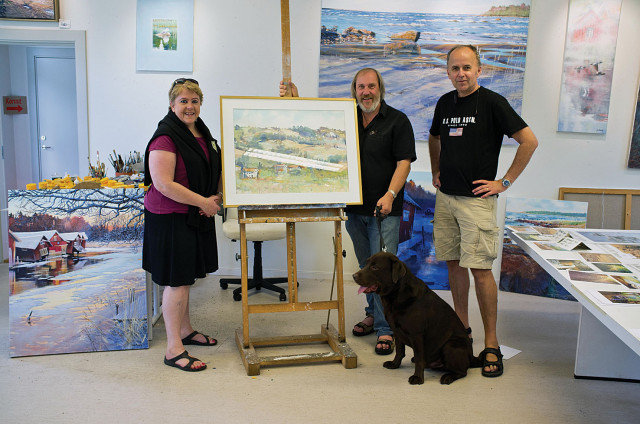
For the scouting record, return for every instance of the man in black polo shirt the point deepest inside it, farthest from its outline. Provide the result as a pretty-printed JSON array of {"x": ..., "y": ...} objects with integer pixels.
[
  {"x": 387, "y": 148},
  {"x": 464, "y": 145}
]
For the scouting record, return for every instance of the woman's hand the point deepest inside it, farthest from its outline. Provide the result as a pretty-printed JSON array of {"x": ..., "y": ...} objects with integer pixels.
[{"x": 210, "y": 206}]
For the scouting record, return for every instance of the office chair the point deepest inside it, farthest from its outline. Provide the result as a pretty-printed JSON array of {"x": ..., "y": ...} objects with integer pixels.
[{"x": 257, "y": 233}]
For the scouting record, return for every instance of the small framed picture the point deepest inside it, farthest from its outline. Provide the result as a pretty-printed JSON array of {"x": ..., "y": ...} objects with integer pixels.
[
  {"x": 30, "y": 10},
  {"x": 289, "y": 151}
]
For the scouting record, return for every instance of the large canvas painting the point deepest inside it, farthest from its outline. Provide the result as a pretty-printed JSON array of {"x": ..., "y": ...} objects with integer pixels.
[
  {"x": 408, "y": 41},
  {"x": 519, "y": 272},
  {"x": 589, "y": 53},
  {"x": 164, "y": 39},
  {"x": 634, "y": 148},
  {"x": 416, "y": 232},
  {"x": 292, "y": 151},
  {"x": 76, "y": 283}
]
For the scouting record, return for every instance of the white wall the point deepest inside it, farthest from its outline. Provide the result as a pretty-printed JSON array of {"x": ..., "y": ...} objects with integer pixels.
[{"x": 237, "y": 51}]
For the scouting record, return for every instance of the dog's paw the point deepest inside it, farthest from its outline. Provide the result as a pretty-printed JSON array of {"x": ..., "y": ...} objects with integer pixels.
[
  {"x": 390, "y": 365},
  {"x": 448, "y": 378},
  {"x": 415, "y": 379}
]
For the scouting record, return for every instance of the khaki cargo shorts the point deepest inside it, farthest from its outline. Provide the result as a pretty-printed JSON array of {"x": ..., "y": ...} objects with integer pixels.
[{"x": 465, "y": 230}]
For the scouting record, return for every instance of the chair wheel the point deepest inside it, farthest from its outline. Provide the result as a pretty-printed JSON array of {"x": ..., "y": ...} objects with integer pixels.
[
  {"x": 224, "y": 286},
  {"x": 283, "y": 297},
  {"x": 237, "y": 297}
]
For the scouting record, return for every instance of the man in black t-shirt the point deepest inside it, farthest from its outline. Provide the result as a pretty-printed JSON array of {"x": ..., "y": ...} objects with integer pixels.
[{"x": 464, "y": 145}]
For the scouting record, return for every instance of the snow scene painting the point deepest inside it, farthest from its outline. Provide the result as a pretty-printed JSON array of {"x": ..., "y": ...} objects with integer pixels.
[{"x": 75, "y": 276}]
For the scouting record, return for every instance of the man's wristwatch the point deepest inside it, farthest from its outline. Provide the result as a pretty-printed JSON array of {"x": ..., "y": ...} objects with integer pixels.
[
  {"x": 393, "y": 193},
  {"x": 506, "y": 183}
]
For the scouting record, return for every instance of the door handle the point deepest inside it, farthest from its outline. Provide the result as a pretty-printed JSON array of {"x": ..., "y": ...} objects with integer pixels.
[{"x": 45, "y": 147}]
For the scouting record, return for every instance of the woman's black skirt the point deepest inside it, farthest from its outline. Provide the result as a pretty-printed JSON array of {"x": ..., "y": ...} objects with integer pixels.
[{"x": 174, "y": 253}]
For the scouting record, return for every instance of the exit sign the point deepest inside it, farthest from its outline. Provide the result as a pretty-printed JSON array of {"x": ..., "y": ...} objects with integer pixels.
[{"x": 14, "y": 104}]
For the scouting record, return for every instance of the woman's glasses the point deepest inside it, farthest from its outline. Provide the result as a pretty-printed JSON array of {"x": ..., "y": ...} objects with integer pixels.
[{"x": 183, "y": 80}]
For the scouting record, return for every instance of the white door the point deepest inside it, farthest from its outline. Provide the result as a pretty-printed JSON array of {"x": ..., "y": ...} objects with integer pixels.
[{"x": 57, "y": 132}]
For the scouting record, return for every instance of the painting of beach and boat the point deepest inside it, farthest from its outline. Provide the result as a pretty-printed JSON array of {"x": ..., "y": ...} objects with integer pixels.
[
  {"x": 519, "y": 272},
  {"x": 289, "y": 151},
  {"x": 408, "y": 41},
  {"x": 416, "y": 232},
  {"x": 75, "y": 277},
  {"x": 589, "y": 55}
]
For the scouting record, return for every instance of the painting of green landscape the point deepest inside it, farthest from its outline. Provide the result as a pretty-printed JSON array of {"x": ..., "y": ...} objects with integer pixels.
[{"x": 292, "y": 152}]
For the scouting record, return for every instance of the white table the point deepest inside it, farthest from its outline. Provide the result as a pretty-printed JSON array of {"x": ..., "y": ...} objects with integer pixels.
[{"x": 608, "y": 335}]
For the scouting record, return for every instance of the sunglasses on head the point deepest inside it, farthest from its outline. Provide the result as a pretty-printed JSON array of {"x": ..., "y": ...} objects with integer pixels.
[{"x": 183, "y": 80}]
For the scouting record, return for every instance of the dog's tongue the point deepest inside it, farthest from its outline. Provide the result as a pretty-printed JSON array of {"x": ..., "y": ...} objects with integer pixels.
[{"x": 366, "y": 289}]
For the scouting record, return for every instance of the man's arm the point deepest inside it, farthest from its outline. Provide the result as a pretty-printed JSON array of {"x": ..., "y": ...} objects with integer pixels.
[
  {"x": 528, "y": 143},
  {"x": 434, "y": 154},
  {"x": 399, "y": 178}
]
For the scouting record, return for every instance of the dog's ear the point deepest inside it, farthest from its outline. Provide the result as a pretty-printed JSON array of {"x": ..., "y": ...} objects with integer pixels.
[{"x": 398, "y": 269}]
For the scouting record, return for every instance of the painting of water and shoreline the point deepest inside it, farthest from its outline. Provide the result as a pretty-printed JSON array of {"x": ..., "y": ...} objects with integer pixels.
[
  {"x": 408, "y": 43},
  {"x": 75, "y": 277}
]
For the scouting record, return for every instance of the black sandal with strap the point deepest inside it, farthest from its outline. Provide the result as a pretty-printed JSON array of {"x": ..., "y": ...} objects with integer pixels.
[
  {"x": 189, "y": 340},
  {"x": 184, "y": 355},
  {"x": 486, "y": 363}
]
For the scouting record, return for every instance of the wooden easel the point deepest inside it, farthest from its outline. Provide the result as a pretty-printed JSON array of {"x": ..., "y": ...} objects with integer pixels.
[{"x": 328, "y": 334}]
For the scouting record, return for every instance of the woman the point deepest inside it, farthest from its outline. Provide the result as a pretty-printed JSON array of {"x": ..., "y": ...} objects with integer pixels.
[{"x": 183, "y": 166}]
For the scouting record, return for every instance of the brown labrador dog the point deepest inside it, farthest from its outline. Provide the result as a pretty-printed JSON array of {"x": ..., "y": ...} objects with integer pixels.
[{"x": 419, "y": 319}]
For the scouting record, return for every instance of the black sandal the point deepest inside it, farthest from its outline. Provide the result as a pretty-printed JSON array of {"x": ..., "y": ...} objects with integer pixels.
[
  {"x": 498, "y": 363},
  {"x": 189, "y": 340},
  {"x": 172, "y": 362}
]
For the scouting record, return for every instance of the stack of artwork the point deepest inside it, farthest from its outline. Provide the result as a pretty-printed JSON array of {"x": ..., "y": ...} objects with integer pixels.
[
  {"x": 76, "y": 283},
  {"x": 538, "y": 219}
]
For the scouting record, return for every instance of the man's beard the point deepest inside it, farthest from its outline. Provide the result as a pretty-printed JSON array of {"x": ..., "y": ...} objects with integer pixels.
[{"x": 374, "y": 106}]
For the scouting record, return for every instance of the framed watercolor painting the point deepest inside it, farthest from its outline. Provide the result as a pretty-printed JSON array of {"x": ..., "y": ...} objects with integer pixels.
[
  {"x": 30, "y": 10},
  {"x": 293, "y": 151},
  {"x": 164, "y": 39}
]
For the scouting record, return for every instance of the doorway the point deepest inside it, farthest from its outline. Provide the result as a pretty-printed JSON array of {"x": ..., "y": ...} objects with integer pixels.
[
  {"x": 19, "y": 146},
  {"x": 54, "y": 129}
]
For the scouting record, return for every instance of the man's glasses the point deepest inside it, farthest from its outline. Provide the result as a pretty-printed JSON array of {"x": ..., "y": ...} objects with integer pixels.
[{"x": 183, "y": 80}]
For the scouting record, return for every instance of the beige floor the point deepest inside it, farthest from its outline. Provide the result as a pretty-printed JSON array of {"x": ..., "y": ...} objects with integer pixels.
[{"x": 135, "y": 387}]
